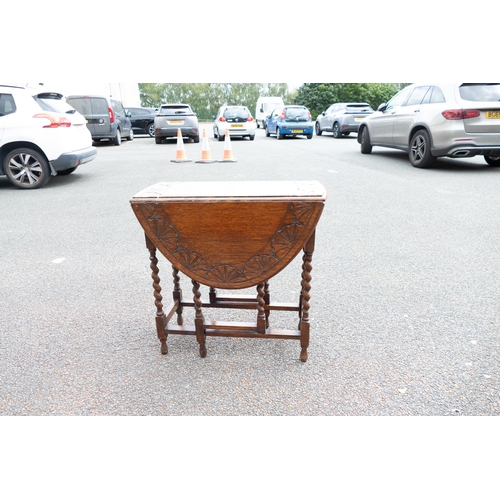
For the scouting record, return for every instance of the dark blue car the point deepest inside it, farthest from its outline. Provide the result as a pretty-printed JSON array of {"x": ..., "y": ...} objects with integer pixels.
[{"x": 289, "y": 121}]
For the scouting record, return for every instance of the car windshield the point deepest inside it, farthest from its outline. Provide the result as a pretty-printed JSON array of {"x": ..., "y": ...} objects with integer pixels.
[
  {"x": 489, "y": 92},
  {"x": 296, "y": 114}
]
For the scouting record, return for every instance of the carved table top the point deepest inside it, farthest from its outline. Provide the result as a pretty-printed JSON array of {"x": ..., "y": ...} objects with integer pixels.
[{"x": 230, "y": 234}]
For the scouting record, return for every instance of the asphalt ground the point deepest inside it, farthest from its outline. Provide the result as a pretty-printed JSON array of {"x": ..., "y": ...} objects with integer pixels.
[
  {"x": 404, "y": 323},
  {"x": 404, "y": 298}
]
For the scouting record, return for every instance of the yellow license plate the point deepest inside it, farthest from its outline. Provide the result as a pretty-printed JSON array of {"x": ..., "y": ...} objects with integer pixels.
[
  {"x": 297, "y": 131},
  {"x": 492, "y": 114},
  {"x": 236, "y": 126},
  {"x": 358, "y": 119},
  {"x": 175, "y": 122}
]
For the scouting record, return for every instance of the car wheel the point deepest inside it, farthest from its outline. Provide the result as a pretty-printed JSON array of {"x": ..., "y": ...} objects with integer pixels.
[
  {"x": 366, "y": 147},
  {"x": 220, "y": 138},
  {"x": 151, "y": 129},
  {"x": 420, "y": 150},
  {"x": 493, "y": 161},
  {"x": 130, "y": 136},
  {"x": 318, "y": 129},
  {"x": 336, "y": 131},
  {"x": 158, "y": 140},
  {"x": 251, "y": 137},
  {"x": 267, "y": 132},
  {"x": 67, "y": 171},
  {"x": 309, "y": 136},
  {"x": 26, "y": 168},
  {"x": 278, "y": 134},
  {"x": 196, "y": 138},
  {"x": 118, "y": 138}
]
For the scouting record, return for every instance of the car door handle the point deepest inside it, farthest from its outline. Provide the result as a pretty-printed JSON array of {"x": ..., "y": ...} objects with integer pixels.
[{"x": 416, "y": 111}]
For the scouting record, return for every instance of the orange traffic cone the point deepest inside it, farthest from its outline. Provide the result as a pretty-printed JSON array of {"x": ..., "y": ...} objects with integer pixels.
[
  {"x": 206, "y": 156},
  {"x": 180, "y": 156},
  {"x": 228, "y": 152}
]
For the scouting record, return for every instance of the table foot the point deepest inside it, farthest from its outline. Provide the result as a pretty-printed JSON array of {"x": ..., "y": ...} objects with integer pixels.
[
  {"x": 203, "y": 351},
  {"x": 303, "y": 355},
  {"x": 164, "y": 347}
]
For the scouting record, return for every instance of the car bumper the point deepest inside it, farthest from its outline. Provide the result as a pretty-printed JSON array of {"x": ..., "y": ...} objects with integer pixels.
[
  {"x": 349, "y": 127},
  {"x": 172, "y": 132},
  {"x": 467, "y": 151},
  {"x": 73, "y": 159},
  {"x": 296, "y": 131},
  {"x": 240, "y": 131}
]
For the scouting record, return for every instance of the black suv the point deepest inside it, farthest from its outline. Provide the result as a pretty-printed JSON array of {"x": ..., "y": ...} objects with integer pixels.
[
  {"x": 143, "y": 120},
  {"x": 106, "y": 117}
]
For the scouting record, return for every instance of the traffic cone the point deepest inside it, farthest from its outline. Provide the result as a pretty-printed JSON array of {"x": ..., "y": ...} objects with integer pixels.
[
  {"x": 228, "y": 152},
  {"x": 180, "y": 155},
  {"x": 206, "y": 156}
]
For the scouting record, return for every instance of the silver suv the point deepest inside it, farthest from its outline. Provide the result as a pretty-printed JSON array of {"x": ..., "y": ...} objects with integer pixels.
[
  {"x": 428, "y": 121},
  {"x": 342, "y": 118}
]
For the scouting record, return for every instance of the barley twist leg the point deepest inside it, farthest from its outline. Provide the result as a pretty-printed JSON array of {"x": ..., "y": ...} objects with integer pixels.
[
  {"x": 261, "y": 316},
  {"x": 199, "y": 320},
  {"x": 177, "y": 294},
  {"x": 161, "y": 322}
]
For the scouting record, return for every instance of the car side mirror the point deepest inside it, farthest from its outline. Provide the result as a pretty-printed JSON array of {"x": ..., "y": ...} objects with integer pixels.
[
  {"x": 382, "y": 107},
  {"x": 323, "y": 113}
]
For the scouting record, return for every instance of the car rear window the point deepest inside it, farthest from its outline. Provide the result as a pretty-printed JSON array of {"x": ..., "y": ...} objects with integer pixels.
[
  {"x": 296, "y": 114},
  {"x": 489, "y": 92},
  {"x": 175, "y": 109},
  {"x": 236, "y": 113},
  {"x": 7, "y": 104},
  {"x": 358, "y": 108},
  {"x": 89, "y": 105},
  {"x": 53, "y": 102}
]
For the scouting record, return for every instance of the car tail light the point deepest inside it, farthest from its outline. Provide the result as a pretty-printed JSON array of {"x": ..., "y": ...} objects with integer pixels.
[
  {"x": 282, "y": 116},
  {"x": 249, "y": 119},
  {"x": 309, "y": 115},
  {"x": 111, "y": 115},
  {"x": 460, "y": 114},
  {"x": 222, "y": 119},
  {"x": 56, "y": 120}
]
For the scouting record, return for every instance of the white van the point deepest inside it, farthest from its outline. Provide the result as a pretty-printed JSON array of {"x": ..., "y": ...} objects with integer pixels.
[{"x": 264, "y": 107}]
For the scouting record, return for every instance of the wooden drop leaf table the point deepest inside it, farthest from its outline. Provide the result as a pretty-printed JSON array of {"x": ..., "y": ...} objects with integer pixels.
[{"x": 230, "y": 235}]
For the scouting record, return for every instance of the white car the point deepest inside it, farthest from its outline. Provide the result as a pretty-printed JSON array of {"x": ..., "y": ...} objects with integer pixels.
[
  {"x": 40, "y": 135},
  {"x": 237, "y": 119},
  {"x": 437, "y": 119}
]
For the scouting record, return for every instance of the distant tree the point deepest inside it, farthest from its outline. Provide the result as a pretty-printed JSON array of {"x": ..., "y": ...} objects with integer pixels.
[
  {"x": 206, "y": 98},
  {"x": 319, "y": 96}
]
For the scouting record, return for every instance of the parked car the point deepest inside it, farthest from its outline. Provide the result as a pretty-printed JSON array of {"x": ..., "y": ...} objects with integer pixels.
[
  {"x": 289, "y": 121},
  {"x": 342, "y": 118},
  {"x": 171, "y": 117},
  {"x": 237, "y": 119},
  {"x": 434, "y": 120},
  {"x": 143, "y": 120},
  {"x": 40, "y": 135},
  {"x": 106, "y": 117}
]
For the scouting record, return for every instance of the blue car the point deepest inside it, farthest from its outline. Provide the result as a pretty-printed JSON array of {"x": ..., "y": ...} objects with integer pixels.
[{"x": 287, "y": 121}]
